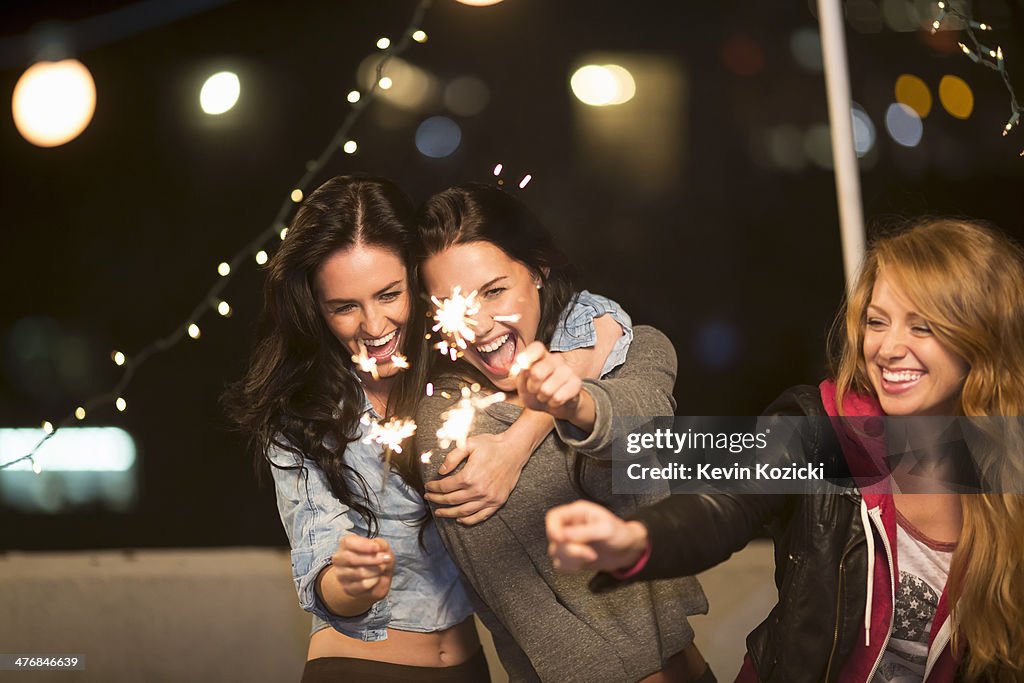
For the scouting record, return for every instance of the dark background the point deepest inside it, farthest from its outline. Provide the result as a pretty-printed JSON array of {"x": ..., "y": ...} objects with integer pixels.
[{"x": 110, "y": 240}]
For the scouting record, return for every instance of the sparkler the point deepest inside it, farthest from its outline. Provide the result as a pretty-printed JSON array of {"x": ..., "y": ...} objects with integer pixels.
[
  {"x": 391, "y": 434},
  {"x": 400, "y": 361},
  {"x": 454, "y": 318},
  {"x": 365, "y": 363},
  {"x": 458, "y": 420}
]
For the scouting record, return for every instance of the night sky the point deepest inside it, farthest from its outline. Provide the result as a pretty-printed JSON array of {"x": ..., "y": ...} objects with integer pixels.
[{"x": 109, "y": 241}]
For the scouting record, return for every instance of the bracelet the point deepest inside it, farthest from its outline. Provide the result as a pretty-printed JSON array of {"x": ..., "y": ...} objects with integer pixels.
[{"x": 630, "y": 572}]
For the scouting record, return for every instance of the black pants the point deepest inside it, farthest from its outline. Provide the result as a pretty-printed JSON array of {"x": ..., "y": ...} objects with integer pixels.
[{"x": 351, "y": 670}]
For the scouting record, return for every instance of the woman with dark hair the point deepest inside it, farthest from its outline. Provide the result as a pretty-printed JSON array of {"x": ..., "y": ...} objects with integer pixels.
[
  {"x": 905, "y": 575},
  {"x": 547, "y": 627},
  {"x": 386, "y": 599}
]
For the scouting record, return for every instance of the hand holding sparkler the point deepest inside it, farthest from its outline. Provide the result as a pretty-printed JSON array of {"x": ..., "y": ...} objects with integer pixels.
[
  {"x": 362, "y": 568},
  {"x": 586, "y": 536},
  {"x": 545, "y": 382}
]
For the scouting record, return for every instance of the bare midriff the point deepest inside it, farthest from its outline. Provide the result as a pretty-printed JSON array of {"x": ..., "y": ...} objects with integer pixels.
[{"x": 449, "y": 647}]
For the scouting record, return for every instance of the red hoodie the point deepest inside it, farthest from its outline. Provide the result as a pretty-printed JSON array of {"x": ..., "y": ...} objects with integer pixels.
[{"x": 864, "y": 455}]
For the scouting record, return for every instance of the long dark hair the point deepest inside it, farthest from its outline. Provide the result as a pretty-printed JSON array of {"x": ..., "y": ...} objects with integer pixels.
[
  {"x": 300, "y": 393},
  {"x": 477, "y": 212}
]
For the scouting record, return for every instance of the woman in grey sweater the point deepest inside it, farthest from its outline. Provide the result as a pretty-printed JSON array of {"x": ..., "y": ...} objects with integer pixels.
[{"x": 547, "y": 626}]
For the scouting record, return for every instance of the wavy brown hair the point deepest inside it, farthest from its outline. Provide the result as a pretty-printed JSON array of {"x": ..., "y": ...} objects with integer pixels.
[
  {"x": 967, "y": 280},
  {"x": 300, "y": 394}
]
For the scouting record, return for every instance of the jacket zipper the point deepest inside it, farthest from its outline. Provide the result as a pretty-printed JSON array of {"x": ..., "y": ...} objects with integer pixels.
[
  {"x": 835, "y": 636},
  {"x": 892, "y": 588},
  {"x": 941, "y": 640}
]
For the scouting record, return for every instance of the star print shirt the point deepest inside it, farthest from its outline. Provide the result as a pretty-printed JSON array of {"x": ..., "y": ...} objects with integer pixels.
[{"x": 924, "y": 567}]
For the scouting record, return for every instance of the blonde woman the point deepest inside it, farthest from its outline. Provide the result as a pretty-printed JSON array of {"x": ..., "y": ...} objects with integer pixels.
[{"x": 875, "y": 584}]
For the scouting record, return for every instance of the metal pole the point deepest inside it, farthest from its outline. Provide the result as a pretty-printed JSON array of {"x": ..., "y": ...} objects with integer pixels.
[{"x": 844, "y": 157}]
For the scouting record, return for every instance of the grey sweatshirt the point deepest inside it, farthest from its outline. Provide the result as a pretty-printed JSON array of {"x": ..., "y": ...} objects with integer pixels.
[{"x": 549, "y": 626}]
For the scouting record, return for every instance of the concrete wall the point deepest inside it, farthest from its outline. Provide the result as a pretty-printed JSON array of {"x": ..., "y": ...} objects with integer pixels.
[{"x": 231, "y": 614}]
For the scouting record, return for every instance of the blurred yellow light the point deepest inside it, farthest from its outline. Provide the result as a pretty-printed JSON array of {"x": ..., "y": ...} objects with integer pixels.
[
  {"x": 419, "y": 36},
  {"x": 385, "y": 83},
  {"x": 296, "y": 195},
  {"x": 353, "y": 96},
  {"x": 224, "y": 269},
  {"x": 224, "y": 308},
  {"x": 117, "y": 357},
  {"x": 121, "y": 404},
  {"x": 219, "y": 93},
  {"x": 384, "y": 43},
  {"x": 261, "y": 257},
  {"x": 80, "y": 413},
  {"x": 350, "y": 147},
  {"x": 913, "y": 92},
  {"x": 47, "y": 427},
  {"x": 284, "y": 233},
  {"x": 193, "y": 331},
  {"x": 53, "y": 102},
  {"x": 601, "y": 86},
  {"x": 956, "y": 96}
]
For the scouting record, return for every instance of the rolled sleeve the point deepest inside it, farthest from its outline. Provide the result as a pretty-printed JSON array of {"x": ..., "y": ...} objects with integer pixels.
[
  {"x": 315, "y": 520},
  {"x": 577, "y": 330}
]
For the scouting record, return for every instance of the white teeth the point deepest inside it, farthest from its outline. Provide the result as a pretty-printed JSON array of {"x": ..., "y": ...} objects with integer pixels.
[
  {"x": 903, "y": 376},
  {"x": 381, "y": 341},
  {"x": 494, "y": 345}
]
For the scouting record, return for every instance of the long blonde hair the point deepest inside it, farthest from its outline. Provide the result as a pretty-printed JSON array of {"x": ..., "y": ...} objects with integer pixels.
[{"x": 967, "y": 280}]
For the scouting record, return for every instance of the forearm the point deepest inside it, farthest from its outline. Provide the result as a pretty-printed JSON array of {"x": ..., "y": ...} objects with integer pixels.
[
  {"x": 529, "y": 429},
  {"x": 336, "y": 599}
]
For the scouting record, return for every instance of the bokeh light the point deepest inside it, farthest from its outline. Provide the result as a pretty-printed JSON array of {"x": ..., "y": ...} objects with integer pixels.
[
  {"x": 913, "y": 92},
  {"x": 438, "y": 137},
  {"x": 716, "y": 344},
  {"x": 805, "y": 46},
  {"x": 956, "y": 96},
  {"x": 864, "y": 16},
  {"x": 742, "y": 55},
  {"x": 220, "y": 93},
  {"x": 53, "y": 102},
  {"x": 479, "y": 3},
  {"x": 863, "y": 131},
  {"x": 601, "y": 86},
  {"x": 903, "y": 124},
  {"x": 466, "y": 96}
]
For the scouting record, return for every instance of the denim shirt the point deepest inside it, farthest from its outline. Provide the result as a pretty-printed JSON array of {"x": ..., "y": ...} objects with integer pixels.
[{"x": 426, "y": 593}]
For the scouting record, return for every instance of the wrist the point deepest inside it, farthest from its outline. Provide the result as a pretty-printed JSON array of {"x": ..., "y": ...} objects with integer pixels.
[{"x": 638, "y": 541}]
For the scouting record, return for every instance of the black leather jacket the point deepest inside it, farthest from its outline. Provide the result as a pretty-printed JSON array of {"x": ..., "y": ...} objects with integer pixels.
[{"x": 820, "y": 554}]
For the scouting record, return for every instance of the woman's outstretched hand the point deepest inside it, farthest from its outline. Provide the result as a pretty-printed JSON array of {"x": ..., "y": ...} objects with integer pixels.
[
  {"x": 586, "y": 536},
  {"x": 546, "y": 382}
]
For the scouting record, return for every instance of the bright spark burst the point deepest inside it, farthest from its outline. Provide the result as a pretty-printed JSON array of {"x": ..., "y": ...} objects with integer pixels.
[
  {"x": 454, "y": 318},
  {"x": 458, "y": 420},
  {"x": 425, "y": 457},
  {"x": 521, "y": 363},
  {"x": 391, "y": 434},
  {"x": 510, "y": 318},
  {"x": 400, "y": 361},
  {"x": 365, "y": 363}
]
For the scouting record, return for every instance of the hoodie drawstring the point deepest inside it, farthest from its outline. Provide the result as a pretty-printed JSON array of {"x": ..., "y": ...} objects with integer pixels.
[{"x": 870, "y": 537}]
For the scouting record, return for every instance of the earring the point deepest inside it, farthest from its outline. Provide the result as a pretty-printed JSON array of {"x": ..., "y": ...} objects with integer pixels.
[{"x": 538, "y": 285}]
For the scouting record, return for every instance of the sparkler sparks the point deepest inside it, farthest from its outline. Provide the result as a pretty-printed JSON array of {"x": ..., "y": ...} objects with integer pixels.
[
  {"x": 510, "y": 318},
  {"x": 458, "y": 420},
  {"x": 521, "y": 363},
  {"x": 454, "y": 318},
  {"x": 400, "y": 361},
  {"x": 365, "y": 363},
  {"x": 391, "y": 434},
  {"x": 425, "y": 457}
]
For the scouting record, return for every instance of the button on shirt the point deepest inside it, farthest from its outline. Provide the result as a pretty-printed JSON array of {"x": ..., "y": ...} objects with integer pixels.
[{"x": 426, "y": 593}]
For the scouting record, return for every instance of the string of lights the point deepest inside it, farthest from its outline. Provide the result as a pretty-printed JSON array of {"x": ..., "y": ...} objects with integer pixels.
[
  {"x": 982, "y": 54},
  {"x": 255, "y": 249}
]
